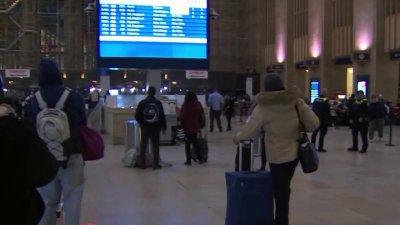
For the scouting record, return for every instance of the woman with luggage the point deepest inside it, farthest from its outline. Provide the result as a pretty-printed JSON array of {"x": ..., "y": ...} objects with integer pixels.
[
  {"x": 192, "y": 119},
  {"x": 275, "y": 113}
]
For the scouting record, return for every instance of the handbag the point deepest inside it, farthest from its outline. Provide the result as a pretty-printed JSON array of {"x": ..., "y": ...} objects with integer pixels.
[
  {"x": 92, "y": 142},
  {"x": 307, "y": 152}
]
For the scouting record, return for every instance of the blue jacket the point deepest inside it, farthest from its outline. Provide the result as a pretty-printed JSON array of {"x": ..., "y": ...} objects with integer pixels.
[{"x": 51, "y": 89}]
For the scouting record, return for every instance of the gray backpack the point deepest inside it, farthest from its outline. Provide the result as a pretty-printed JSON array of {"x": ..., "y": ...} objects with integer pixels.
[{"x": 52, "y": 125}]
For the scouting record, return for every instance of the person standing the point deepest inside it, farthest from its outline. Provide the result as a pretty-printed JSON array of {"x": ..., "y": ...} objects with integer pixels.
[
  {"x": 151, "y": 118},
  {"x": 215, "y": 101},
  {"x": 377, "y": 114},
  {"x": 229, "y": 110},
  {"x": 359, "y": 121},
  {"x": 63, "y": 140},
  {"x": 322, "y": 109},
  {"x": 191, "y": 116},
  {"x": 277, "y": 106}
]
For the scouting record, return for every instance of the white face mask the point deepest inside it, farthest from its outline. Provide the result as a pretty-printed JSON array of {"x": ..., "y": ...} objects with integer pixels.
[{"x": 6, "y": 110}]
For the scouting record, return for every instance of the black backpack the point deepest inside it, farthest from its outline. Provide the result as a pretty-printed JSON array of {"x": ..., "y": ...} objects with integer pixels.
[{"x": 151, "y": 113}]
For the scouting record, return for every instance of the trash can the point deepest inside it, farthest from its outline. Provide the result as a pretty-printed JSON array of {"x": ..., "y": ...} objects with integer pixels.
[{"x": 132, "y": 135}]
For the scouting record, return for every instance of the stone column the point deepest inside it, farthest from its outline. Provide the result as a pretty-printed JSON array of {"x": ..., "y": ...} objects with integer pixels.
[
  {"x": 73, "y": 50},
  {"x": 320, "y": 41},
  {"x": 365, "y": 15},
  {"x": 153, "y": 78},
  {"x": 284, "y": 39}
]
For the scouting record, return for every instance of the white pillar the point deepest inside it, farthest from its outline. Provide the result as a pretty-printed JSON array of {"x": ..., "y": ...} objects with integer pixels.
[{"x": 153, "y": 78}]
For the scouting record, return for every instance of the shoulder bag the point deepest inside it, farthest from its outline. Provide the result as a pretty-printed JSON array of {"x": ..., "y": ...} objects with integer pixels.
[{"x": 308, "y": 155}]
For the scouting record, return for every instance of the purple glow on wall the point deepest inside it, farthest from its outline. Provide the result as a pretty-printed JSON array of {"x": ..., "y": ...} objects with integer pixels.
[
  {"x": 280, "y": 52},
  {"x": 315, "y": 48},
  {"x": 364, "y": 40}
]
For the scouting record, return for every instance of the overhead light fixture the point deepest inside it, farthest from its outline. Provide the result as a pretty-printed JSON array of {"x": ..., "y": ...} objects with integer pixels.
[{"x": 83, "y": 76}]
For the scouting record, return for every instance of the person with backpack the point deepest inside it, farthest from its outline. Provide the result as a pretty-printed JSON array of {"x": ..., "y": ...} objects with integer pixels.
[
  {"x": 151, "y": 118},
  {"x": 58, "y": 112},
  {"x": 193, "y": 119}
]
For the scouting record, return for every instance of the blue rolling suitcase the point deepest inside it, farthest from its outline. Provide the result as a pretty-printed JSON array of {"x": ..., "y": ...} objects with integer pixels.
[{"x": 249, "y": 195}]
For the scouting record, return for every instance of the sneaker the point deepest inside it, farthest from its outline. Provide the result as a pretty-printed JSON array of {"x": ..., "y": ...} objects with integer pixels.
[
  {"x": 156, "y": 167},
  {"x": 322, "y": 150},
  {"x": 201, "y": 161},
  {"x": 353, "y": 149},
  {"x": 363, "y": 151},
  {"x": 188, "y": 163}
]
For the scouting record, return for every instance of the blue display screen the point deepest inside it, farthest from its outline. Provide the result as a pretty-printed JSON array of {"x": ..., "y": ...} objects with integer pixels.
[
  {"x": 314, "y": 90},
  {"x": 174, "y": 29}
]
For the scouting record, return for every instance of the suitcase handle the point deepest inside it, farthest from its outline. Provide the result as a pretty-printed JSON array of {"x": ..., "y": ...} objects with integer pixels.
[{"x": 242, "y": 142}]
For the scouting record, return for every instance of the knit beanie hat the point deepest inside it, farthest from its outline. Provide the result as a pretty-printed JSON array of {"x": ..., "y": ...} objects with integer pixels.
[{"x": 273, "y": 82}]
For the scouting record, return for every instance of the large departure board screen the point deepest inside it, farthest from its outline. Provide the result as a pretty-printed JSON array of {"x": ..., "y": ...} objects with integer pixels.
[{"x": 153, "y": 34}]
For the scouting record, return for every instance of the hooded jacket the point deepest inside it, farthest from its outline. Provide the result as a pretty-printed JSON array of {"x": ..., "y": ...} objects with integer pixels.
[
  {"x": 276, "y": 115},
  {"x": 51, "y": 89}
]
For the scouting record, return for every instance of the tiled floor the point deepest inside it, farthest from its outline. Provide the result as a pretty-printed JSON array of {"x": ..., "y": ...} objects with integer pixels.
[{"x": 349, "y": 189}]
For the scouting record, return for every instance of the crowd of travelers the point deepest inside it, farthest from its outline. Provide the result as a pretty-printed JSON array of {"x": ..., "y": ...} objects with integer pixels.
[{"x": 50, "y": 168}]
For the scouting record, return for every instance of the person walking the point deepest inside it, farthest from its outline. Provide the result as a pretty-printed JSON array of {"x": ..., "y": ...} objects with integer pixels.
[
  {"x": 376, "y": 114},
  {"x": 359, "y": 122},
  {"x": 275, "y": 113},
  {"x": 322, "y": 109},
  {"x": 215, "y": 101},
  {"x": 58, "y": 112},
  {"x": 229, "y": 110},
  {"x": 192, "y": 119},
  {"x": 151, "y": 118}
]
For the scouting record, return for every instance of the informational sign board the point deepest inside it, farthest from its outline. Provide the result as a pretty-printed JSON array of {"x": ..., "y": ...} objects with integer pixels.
[
  {"x": 18, "y": 73},
  {"x": 196, "y": 74},
  {"x": 314, "y": 89},
  {"x": 153, "y": 34}
]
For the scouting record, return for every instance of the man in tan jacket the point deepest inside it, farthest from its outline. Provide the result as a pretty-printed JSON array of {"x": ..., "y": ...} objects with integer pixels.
[{"x": 275, "y": 113}]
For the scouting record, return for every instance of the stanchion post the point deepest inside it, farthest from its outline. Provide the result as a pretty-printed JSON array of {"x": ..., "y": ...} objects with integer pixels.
[{"x": 390, "y": 130}]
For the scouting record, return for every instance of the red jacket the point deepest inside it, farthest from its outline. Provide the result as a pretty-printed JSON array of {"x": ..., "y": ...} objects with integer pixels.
[{"x": 189, "y": 117}]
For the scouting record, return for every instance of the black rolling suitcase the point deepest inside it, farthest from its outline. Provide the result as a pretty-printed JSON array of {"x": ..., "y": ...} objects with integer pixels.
[
  {"x": 203, "y": 148},
  {"x": 249, "y": 193}
]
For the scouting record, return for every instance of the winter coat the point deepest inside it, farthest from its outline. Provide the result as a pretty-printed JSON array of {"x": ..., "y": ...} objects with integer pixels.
[
  {"x": 322, "y": 109},
  {"x": 377, "y": 110},
  {"x": 26, "y": 164},
  {"x": 275, "y": 113},
  {"x": 190, "y": 117},
  {"x": 229, "y": 108},
  {"x": 139, "y": 114}
]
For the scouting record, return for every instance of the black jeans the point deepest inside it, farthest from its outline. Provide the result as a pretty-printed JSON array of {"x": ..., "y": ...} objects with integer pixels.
[
  {"x": 323, "y": 129},
  {"x": 192, "y": 139},
  {"x": 154, "y": 135},
  {"x": 281, "y": 177},
  {"x": 363, "y": 129},
  {"x": 228, "y": 119},
  {"x": 215, "y": 114}
]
